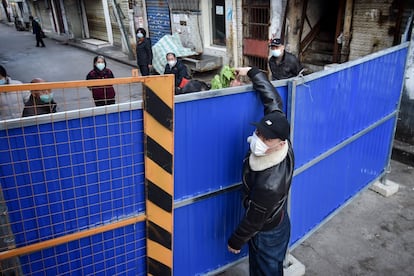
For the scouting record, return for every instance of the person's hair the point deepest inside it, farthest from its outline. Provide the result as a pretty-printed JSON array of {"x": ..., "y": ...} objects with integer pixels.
[
  {"x": 142, "y": 31},
  {"x": 95, "y": 59},
  {"x": 170, "y": 53},
  {"x": 37, "y": 80},
  {"x": 3, "y": 71},
  {"x": 30, "y": 17}
]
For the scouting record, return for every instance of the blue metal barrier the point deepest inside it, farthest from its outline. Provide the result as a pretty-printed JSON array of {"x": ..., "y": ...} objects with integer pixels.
[
  {"x": 62, "y": 176},
  {"x": 66, "y": 176}
]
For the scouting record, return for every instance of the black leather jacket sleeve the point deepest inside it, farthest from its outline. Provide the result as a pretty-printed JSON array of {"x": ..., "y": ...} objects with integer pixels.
[
  {"x": 268, "y": 94},
  {"x": 265, "y": 191}
]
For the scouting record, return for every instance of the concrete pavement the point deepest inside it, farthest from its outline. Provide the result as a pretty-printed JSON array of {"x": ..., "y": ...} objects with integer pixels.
[{"x": 58, "y": 61}]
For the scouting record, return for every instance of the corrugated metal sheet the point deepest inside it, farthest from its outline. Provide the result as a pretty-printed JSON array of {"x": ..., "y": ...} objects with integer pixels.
[
  {"x": 327, "y": 185},
  {"x": 184, "y": 5},
  {"x": 96, "y": 19},
  {"x": 330, "y": 110},
  {"x": 158, "y": 16},
  {"x": 209, "y": 117},
  {"x": 328, "y": 107}
]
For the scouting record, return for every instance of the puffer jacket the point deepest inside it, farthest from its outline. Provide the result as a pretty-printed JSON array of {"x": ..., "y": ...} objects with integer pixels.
[
  {"x": 101, "y": 92},
  {"x": 265, "y": 192}
]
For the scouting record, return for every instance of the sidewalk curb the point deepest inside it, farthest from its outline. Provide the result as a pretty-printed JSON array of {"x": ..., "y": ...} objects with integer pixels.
[
  {"x": 403, "y": 152},
  {"x": 100, "y": 51}
]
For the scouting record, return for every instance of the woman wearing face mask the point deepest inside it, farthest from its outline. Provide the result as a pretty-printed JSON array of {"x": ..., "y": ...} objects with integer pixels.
[
  {"x": 11, "y": 105},
  {"x": 102, "y": 95},
  {"x": 179, "y": 70},
  {"x": 283, "y": 64},
  {"x": 40, "y": 102},
  {"x": 143, "y": 52}
]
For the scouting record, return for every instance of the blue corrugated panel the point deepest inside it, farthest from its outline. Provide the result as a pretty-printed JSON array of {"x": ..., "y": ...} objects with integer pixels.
[
  {"x": 224, "y": 122},
  {"x": 335, "y": 107},
  {"x": 158, "y": 16},
  {"x": 201, "y": 231},
  {"x": 327, "y": 185}
]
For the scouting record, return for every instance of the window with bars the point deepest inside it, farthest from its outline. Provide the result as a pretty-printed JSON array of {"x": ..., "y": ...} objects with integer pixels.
[{"x": 256, "y": 18}]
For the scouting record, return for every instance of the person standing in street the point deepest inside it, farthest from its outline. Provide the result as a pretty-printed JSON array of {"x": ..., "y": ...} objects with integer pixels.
[
  {"x": 283, "y": 64},
  {"x": 40, "y": 102},
  {"x": 267, "y": 176},
  {"x": 102, "y": 95},
  {"x": 37, "y": 30},
  {"x": 143, "y": 52}
]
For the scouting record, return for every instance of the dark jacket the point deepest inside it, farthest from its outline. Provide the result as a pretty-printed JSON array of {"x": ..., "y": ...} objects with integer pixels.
[
  {"x": 144, "y": 52},
  {"x": 36, "y": 27},
  {"x": 288, "y": 67},
  {"x": 179, "y": 70},
  {"x": 34, "y": 106},
  {"x": 101, "y": 92},
  {"x": 265, "y": 192}
]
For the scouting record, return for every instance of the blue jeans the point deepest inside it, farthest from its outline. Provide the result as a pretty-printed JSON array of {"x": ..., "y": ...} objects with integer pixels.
[{"x": 267, "y": 249}]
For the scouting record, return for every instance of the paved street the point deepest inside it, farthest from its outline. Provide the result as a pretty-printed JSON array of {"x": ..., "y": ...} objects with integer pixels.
[
  {"x": 57, "y": 62},
  {"x": 372, "y": 235}
]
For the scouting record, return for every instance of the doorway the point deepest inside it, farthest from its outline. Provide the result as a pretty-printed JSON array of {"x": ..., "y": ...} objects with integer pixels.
[{"x": 320, "y": 38}]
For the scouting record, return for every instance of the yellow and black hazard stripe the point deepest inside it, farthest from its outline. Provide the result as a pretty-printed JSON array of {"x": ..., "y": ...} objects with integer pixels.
[{"x": 159, "y": 156}]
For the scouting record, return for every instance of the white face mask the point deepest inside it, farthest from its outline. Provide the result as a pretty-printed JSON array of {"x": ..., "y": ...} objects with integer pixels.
[
  {"x": 276, "y": 52},
  {"x": 172, "y": 63},
  {"x": 140, "y": 35},
  {"x": 257, "y": 146},
  {"x": 100, "y": 66}
]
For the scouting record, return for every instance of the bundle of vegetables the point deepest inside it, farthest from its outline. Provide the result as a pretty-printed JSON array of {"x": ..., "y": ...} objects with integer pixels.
[{"x": 223, "y": 80}]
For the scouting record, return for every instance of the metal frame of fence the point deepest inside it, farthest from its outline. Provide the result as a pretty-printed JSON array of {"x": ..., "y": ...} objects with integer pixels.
[{"x": 73, "y": 196}]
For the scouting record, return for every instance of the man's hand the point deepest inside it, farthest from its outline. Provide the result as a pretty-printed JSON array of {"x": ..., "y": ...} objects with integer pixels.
[
  {"x": 234, "y": 251},
  {"x": 242, "y": 71}
]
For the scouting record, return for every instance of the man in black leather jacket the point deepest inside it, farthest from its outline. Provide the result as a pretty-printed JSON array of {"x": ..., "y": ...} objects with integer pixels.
[
  {"x": 283, "y": 64},
  {"x": 267, "y": 176}
]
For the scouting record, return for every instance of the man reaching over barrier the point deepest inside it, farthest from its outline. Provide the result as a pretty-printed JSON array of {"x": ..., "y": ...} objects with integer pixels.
[{"x": 267, "y": 176}]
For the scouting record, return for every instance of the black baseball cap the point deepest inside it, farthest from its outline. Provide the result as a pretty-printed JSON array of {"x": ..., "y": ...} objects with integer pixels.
[
  {"x": 274, "y": 125},
  {"x": 275, "y": 42}
]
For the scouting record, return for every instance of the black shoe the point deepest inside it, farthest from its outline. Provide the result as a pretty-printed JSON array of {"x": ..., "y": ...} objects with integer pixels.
[
  {"x": 43, "y": 46},
  {"x": 37, "y": 46}
]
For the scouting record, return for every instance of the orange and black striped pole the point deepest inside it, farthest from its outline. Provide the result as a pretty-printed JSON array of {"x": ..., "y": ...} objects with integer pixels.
[{"x": 159, "y": 155}]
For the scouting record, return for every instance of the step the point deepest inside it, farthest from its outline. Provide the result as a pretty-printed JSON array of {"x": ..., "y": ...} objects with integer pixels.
[
  {"x": 318, "y": 45},
  {"x": 93, "y": 43},
  {"x": 317, "y": 57}
]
